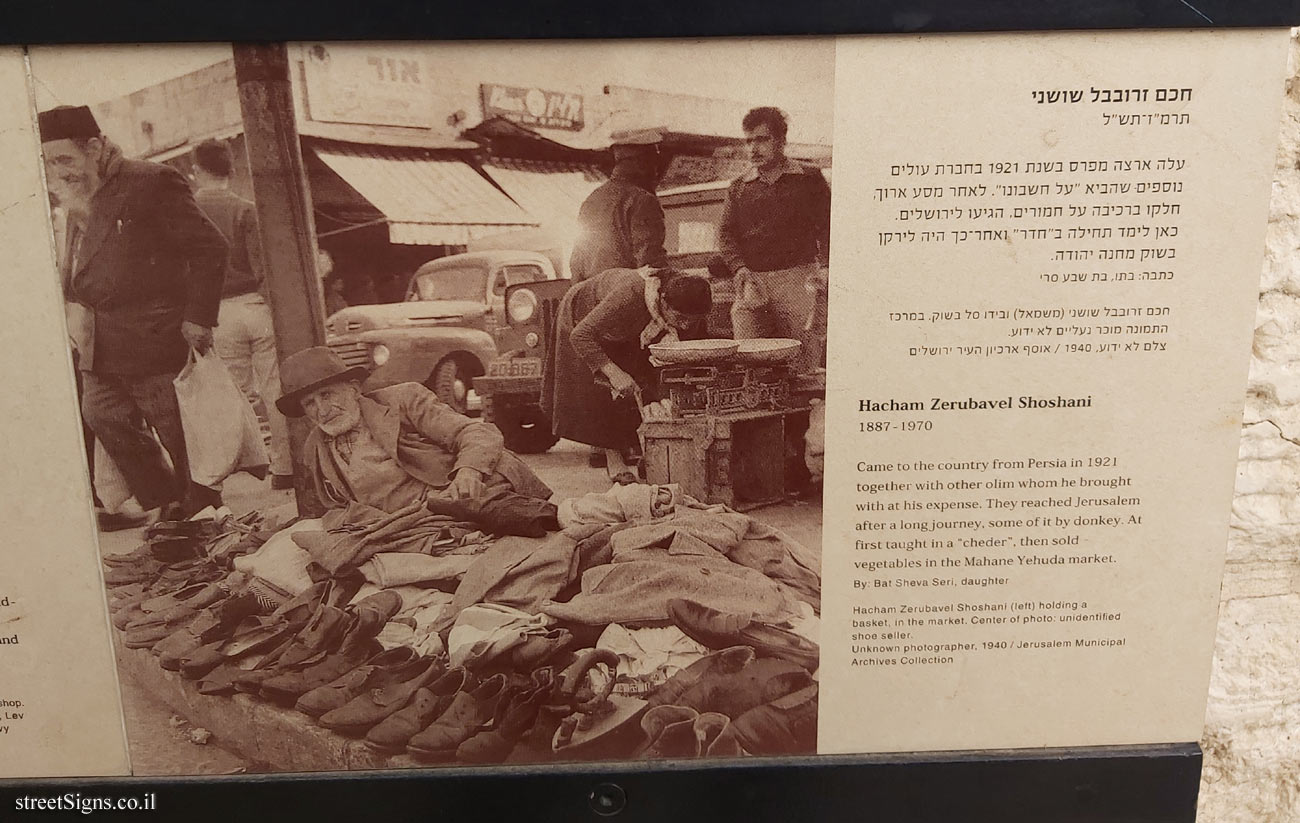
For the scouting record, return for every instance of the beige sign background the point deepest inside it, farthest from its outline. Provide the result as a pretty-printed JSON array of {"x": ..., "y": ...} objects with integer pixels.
[
  {"x": 1045, "y": 259},
  {"x": 59, "y": 707}
]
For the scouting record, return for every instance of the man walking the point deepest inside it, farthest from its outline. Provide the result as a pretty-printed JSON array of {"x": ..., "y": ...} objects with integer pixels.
[
  {"x": 775, "y": 238},
  {"x": 621, "y": 223},
  {"x": 244, "y": 336},
  {"x": 147, "y": 265}
]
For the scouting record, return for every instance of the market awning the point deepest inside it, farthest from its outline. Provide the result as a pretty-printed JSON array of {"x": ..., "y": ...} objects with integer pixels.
[
  {"x": 427, "y": 199},
  {"x": 550, "y": 192}
]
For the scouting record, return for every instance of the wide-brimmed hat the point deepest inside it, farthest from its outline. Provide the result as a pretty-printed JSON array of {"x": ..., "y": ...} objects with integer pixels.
[{"x": 310, "y": 369}]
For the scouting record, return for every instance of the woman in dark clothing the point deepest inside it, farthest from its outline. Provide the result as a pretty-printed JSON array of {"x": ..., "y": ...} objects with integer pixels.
[{"x": 601, "y": 357}]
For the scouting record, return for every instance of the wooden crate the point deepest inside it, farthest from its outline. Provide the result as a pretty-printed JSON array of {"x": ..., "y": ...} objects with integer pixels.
[{"x": 734, "y": 459}]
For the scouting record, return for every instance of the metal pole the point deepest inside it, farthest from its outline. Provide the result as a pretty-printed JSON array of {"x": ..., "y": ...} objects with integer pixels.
[{"x": 285, "y": 218}]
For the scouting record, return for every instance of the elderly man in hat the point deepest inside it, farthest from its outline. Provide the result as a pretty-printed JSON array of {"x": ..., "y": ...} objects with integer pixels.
[
  {"x": 401, "y": 445},
  {"x": 621, "y": 224},
  {"x": 147, "y": 265}
]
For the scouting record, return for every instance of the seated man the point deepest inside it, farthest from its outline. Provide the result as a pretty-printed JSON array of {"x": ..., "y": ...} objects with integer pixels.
[{"x": 400, "y": 446}]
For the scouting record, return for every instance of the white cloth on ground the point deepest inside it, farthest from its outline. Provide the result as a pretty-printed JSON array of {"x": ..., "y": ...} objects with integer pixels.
[
  {"x": 621, "y": 504},
  {"x": 486, "y": 630},
  {"x": 280, "y": 561},
  {"x": 647, "y": 657}
]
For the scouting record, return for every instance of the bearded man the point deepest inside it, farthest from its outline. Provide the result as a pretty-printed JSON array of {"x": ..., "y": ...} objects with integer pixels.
[
  {"x": 147, "y": 267},
  {"x": 401, "y": 445}
]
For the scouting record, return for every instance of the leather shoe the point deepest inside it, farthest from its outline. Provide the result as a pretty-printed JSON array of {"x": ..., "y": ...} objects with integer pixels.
[
  {"x": 716, "y": 664},
  {"x": 680, "y": 731},
  {"x": 515, "y": 717},
  {"x": 120, "y": 521},
  {"x": 718, "y": 630},
  {"x": 213, "y": 623},
  {"x": 256, "y": 636},
  {"x": 537, "y": 649},
  {"x": 374, "y": 611},
  {"x": 367, "y": 709},
  {"x": 786, "y": 725},
  {"x": 310, "y": 696},
  {"x": 462, "y": 719},
  {"x": 395, "y": 731},
  {"x": 763, "y": 680}
]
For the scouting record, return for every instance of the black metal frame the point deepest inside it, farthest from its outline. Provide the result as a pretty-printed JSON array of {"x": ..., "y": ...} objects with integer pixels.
[
  {"x": 1141, "y": 784},
  {"x": 1145, "y": 784},
  {"x": 146, "y": 21}
]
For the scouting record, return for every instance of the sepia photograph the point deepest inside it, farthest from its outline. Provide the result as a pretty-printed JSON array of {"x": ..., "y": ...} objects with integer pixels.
[{"x": 450, "y": 403}]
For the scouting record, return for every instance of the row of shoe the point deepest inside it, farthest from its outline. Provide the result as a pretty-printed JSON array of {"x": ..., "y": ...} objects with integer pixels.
[
  {"x": 171, "y": 547},
  {"x": 319, "y": 655}
]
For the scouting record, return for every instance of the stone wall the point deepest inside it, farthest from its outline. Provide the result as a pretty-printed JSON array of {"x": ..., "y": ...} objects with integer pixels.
[{"x": 1252, "y": 725}]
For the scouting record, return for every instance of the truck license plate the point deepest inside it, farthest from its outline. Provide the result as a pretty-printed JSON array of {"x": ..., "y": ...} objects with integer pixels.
[{"x": 516, "y": 367}]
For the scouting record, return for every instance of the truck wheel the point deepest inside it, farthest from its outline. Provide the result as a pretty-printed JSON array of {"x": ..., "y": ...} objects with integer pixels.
[
  {"x": 526, "y": 429},
  {"x": 451, "y": 383}
]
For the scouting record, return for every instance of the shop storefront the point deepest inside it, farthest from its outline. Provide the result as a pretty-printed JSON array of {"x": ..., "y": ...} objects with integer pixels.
[{"x": 413, "y": 154}]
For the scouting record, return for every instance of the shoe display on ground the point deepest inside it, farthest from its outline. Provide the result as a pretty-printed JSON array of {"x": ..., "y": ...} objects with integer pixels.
[{"x": 378, "y": 670}]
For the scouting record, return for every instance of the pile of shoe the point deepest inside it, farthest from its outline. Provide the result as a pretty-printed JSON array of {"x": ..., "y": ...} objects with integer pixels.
[{"x": 319, "y": 654}]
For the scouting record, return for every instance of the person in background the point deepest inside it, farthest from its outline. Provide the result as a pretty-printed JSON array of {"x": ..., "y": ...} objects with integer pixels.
[
  {"x": 244, "y": 336},
  {"x": 601, "y": 355},
  {"x": 775, "y": 237},
  {"x": 146, "y": 266},
  {"x": 331, "y": 285},
  {"x": 621, "y": 224}
]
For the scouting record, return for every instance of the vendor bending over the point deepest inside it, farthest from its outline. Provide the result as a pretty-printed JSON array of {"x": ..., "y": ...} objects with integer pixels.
[
  {"x": 401, "y": 445},
  {"x": 602, "y": 359}
]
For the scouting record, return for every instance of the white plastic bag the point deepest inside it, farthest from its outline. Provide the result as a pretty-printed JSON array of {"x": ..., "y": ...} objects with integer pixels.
[
  {"x": 221, "y": 432},
  {"x": 110, "y": 485}
]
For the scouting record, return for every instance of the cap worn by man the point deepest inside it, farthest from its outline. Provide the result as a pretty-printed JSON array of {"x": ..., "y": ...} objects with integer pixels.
[
  {"x": 621, "y": 222},
  {"x": 67, "y": 123}
]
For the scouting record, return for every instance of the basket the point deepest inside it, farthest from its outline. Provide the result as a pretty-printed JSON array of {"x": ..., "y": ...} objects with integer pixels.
[
  {"x": 766, "y": 350},
  {"x": 693, "y": 351}
]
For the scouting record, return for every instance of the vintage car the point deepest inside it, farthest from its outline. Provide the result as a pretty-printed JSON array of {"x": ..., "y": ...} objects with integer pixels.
[
  {"x": 511, "y": 388},
  {"x": 442, "y": 334}
]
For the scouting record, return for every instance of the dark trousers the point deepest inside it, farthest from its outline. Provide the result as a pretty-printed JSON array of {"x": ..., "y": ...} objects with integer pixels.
[
  {"x": 111, "y": 405},
  {"x": 87, "y": 437},
  {"x": 500, "y": 510}
]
